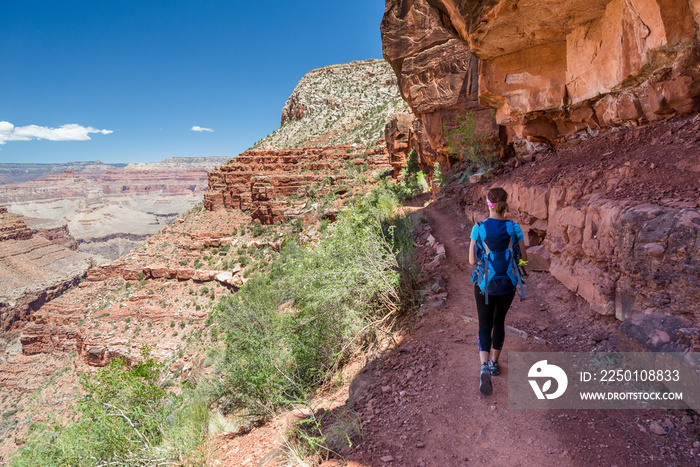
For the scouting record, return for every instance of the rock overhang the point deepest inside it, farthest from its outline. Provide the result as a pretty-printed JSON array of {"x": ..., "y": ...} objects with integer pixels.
[{"x": 554, "y": 70}]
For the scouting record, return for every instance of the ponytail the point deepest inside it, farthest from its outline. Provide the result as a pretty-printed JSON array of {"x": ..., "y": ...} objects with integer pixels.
[{"x": 498, "y": 197}]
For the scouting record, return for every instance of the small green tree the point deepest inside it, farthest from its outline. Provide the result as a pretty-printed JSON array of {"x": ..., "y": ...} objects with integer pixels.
[
  {"x": 438, "y": 176},
  {"x": 413, "y": 180},
  {"x": 412, "y": 167},
  {"x": 466, "y": 143}
]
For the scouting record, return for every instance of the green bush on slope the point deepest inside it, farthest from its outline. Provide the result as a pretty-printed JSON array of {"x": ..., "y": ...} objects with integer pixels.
[
  {"x": 336, "y": 293},
  {"x": 124, "y": 418},
  {"x": 466, "y": 143}
]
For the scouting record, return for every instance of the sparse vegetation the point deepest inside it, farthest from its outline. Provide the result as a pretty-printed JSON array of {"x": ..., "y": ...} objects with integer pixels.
[
  {"x": 354, "y": 281},
  {"x": 466, "y": 143},
  {"x": 413, "y": 180},
  {"x": 337, "y": 112},
  {"x": 125, "y": 417}
]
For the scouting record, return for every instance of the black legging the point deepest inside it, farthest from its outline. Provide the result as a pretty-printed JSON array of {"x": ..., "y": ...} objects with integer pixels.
[{"x": 492, "y": 317}]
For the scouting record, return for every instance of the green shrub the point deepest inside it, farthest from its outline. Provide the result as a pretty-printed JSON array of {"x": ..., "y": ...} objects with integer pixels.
[
  {"x": 412, "y": 185},
  {"x": 412, "y": 167},
  {"x": 341, "y": 289},
  {"x": 465, "y": 143},
  {"x": 258, "y": 230},
  {"x": 413, "y": 181},
  {"x": 125, "y": 417}
]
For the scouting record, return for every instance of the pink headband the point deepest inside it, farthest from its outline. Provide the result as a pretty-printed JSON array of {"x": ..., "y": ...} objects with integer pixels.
[{"x": 489, "y": 203}]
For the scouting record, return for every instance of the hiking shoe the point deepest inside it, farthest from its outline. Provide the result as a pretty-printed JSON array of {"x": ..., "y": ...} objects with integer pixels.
[
  {"x": 485, "y": 380},
  {"x": 494, "y": 369}
]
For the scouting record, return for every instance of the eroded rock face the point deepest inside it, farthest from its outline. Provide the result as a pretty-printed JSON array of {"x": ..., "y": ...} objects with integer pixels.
[
  {"x": 622, "y": 258},
  {"x": 274, "y": 184},
  {"x": 615, "y": 219},
  {"x": 35, "y": 268},
  {"x": 404, "y": 132},
  {"x": 554, "y": 70},
  {"x": 437, "y": 75},
  {"x": 12, "y": 227}
]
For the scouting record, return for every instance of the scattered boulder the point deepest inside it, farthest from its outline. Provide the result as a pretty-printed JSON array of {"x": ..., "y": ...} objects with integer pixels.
[{"x": 538, "y": 258}]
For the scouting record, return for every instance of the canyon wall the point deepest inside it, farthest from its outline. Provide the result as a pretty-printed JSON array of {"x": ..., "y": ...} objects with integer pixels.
[
  {"x": 108, "y": 209},
  {"x": 554, "y": 71},
  {"x": 275, "y": 185},
  {"x": 437, "y": 76},
  {"x": 38, "y": 265}
]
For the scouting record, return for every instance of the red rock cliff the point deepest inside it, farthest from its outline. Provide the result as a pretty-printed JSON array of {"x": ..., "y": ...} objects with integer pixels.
[
  {"x": 437, "y": 75},
  {"x": 36, "y": 267},
  {"x": 554, "y": 70}
]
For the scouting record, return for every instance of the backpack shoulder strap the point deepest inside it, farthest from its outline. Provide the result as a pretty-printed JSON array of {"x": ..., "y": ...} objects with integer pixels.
[{"x": 510, "y": 227}]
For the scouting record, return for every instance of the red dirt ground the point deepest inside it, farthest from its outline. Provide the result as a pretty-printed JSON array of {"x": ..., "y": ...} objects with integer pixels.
[{"x": 442, "y": 420}]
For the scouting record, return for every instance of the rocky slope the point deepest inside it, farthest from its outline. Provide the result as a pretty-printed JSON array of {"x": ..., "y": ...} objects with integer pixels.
[
  {"x": 277, "y": 185},
  {"x": 338, "y": 105},
  {"x": 553, "y": 71},
  {"x": 37, "y": 265},
  {"x": 110, "y": 210}
]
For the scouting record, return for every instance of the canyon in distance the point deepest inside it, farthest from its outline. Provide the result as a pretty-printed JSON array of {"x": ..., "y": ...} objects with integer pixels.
[{"x": 596, "y": 140}]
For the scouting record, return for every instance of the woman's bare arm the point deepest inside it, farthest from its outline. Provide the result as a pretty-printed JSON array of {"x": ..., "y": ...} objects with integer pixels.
[
  {"x": 523, "y": 251},
  {"x": 472, "y": 260}
]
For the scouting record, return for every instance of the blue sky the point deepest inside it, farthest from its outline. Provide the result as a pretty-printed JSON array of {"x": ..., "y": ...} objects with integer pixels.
[{"x": 136, "y": 76}]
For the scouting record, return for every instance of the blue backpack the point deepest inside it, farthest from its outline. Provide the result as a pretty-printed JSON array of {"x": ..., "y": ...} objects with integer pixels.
[{"x": 496, "y": 272}]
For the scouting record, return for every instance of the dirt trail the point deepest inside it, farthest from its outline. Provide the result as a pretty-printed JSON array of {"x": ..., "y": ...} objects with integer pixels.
[{"x": 420, "y": 406}]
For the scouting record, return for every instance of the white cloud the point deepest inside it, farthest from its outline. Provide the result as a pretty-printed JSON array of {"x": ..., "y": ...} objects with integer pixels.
[
  {"x": 200, "y": 128},
  {"x": 69, "y": 132}
]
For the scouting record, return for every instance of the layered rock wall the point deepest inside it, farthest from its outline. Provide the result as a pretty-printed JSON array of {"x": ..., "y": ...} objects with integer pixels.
[
  {"x": 35, "y": 269},
  {"x": 273, "y": 184},
  {"x": 615, "y": 219},
  {"x": 622, "y": 258},
  {"x": 554, "y": 71}
]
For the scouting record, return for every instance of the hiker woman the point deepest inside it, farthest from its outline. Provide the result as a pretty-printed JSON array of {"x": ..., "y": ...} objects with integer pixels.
[{"x": 498, "y": 249}]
